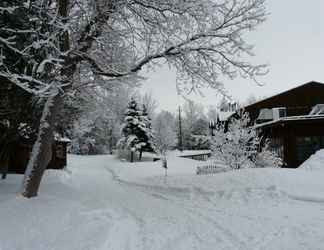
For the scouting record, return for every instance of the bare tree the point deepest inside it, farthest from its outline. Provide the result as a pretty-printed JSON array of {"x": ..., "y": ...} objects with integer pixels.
[
  {"x": 164, "y": 126},
  {"x": 150, "y": 103},
  {"x": 192, "y": 112},
  {"x": 116, "y": 39},
  {"x": 212, "y": 113}
]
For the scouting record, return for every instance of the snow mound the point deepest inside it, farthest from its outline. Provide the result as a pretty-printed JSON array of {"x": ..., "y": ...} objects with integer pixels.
[
  {"x": 57, "y": 176},
  {"x": 315, "y": 161}
]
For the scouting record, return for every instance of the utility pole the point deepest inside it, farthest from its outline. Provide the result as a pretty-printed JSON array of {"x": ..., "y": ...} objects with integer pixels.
[{"x": 180, "y": 131}]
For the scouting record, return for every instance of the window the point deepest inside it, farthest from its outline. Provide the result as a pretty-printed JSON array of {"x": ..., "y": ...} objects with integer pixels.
[{"x": 282, "y": 112}]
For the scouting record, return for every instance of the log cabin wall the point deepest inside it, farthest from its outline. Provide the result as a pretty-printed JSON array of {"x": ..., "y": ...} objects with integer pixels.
[
  {"x": 18, "y": 161},
  {"x": 300, "y": 139}
]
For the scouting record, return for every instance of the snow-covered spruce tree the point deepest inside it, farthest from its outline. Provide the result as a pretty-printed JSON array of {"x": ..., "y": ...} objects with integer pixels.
[
  {"x": 136, "y": 131},
  {"x": 116, "y": 39},
  {"x": 240, "y": 145},
  {"x": 146, "y": 134}
]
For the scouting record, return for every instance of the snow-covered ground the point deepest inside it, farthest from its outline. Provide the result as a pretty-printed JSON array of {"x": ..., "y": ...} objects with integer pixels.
[{"x": 102, "y": 203}]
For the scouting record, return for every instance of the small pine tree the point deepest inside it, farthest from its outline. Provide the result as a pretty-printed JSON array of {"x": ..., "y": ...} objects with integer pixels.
[{"x": 136, "y": 131}]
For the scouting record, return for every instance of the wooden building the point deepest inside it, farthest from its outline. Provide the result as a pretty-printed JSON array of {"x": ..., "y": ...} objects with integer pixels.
[
  {"x": 18, "y": 160},
  {"x": 297, "y": 101},
  {"x": 16, "y": 108},
  {"x": 289, "y": 121}
]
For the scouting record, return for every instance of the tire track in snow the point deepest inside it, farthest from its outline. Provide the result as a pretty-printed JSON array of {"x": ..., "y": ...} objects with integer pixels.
[
  {"x": 187, "y": 232},
  {"x": 195, "y": 218},
  {"x": 103, "y": 213},
  {"x": 188, "y": 200},
  {"x": 196, "y": 201}
]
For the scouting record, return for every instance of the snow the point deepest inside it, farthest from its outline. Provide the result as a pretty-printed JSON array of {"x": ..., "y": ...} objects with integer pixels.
[
  {"x": 314, "y": 162},
  {"x": 191, "y": 152},
  {"x": 65, "y": 139},
  {"x": 60, "y": 138},
  {"x": 8, "y": 9},
  {"x": 225, "y": 115},
  {"x": 99, "y": 202},
  {"x": 318, "y": 109},
  {"x": 290, "y": 118},
  {"x": 138, "y": 172}
]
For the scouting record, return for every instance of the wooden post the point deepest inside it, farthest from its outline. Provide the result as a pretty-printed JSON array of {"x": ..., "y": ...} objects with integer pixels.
[
  {"x": 180, "y": 131},
  {"x": 132, "y": 156},
  {"x": 165, "y": 166}
]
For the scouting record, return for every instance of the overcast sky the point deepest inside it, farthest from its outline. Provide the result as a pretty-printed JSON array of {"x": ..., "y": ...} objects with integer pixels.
[{"x": 291, "y": 41}]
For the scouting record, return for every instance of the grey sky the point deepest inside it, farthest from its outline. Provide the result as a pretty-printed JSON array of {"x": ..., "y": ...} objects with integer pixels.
[{"x": 291, "y": 41}]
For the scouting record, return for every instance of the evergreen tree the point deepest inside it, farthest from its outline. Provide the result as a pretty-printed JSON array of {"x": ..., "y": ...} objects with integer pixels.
[
  {"x": 146, "y": 134},
  {"x": 136, "y": 131}
]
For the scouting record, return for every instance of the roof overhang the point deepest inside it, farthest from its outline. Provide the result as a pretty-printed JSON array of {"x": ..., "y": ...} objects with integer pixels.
[{"x": 291, "y": 120}]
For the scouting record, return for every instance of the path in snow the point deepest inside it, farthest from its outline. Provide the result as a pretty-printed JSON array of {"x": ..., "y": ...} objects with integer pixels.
[
  {"x": 92, "y": 209},
  {"x": 192, "y": 218}
]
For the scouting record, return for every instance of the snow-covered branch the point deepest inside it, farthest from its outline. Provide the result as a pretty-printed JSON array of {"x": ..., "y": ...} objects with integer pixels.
[{"x": 202, "y": 40}]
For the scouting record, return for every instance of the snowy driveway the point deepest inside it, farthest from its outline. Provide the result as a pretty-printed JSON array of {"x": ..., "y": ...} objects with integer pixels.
[{"x": 93, "y": 209}]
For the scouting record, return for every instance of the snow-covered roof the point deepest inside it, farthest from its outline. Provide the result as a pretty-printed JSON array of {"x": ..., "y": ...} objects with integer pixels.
[
  {"x": 64, "y": 139},
  {"x": 265, "y": 114},
  {"x": 60, "y": 138},
  {"x": 317, "y": 110},
  {"x": 284, "y": 92},
  {"x": 225, "y": 115},
  {"x": 192, "y": 152},
  {"x": 291, "y": 118}
]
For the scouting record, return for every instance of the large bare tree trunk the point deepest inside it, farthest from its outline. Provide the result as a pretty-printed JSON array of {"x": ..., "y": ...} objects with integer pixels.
[{"x": 42, "y": 150}]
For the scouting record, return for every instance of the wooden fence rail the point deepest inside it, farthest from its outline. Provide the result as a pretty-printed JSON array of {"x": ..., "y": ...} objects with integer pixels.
[
  {"x": 198, "y": 157},
  {"x": 209, "y": 169}
]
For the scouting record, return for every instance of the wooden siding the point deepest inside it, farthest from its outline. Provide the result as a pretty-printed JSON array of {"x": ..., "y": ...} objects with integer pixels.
[
  {"x": 18, "y": 161},
  {"x": 288, "y": 131}
]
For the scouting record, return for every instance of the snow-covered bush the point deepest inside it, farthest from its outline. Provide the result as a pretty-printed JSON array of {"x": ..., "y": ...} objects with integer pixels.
[
  {"x": 267, "y": 158},
  {"x": 200, "y": 142},
  {"x": 239, "y": 146}
]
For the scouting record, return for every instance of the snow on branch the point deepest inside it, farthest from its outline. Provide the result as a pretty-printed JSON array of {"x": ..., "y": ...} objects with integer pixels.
[
  {"x": 10, "y": 9},
  {"x": 202, "y": 40},
  {"x": 31, "y": 55}
]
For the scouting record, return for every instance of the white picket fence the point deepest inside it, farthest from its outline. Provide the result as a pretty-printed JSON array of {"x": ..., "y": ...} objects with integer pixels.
[{"x": 209, "y": 169}]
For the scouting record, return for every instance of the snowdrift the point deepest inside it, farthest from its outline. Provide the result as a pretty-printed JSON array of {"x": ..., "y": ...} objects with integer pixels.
[{"x": 314, "y": 162}]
